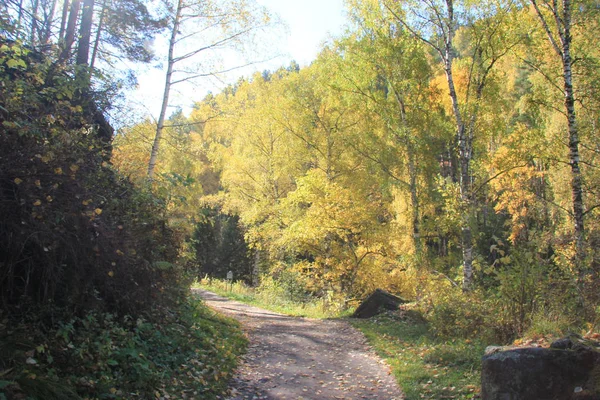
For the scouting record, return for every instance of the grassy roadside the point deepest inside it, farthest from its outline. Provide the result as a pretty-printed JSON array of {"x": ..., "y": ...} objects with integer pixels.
[
  {"x": 425, "y": 367},
  {"x": 185, "y": 352}
]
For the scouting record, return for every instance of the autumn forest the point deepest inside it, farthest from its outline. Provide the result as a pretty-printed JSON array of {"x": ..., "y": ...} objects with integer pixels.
[
  {"x": 428, "y": 151},
  {"x": 446, "y": 152}
]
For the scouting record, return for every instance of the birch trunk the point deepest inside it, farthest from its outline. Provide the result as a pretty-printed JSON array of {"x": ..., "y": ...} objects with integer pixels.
[
  {"x": 464, "y": 153},
  {"x": 562, "y": 46},
  {"x": 576, "y": 179},
  {"x": 165, "y": 101}
]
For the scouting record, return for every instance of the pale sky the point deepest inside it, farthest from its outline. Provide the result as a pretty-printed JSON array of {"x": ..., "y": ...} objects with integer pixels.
[{"x": 310, "y": 23}]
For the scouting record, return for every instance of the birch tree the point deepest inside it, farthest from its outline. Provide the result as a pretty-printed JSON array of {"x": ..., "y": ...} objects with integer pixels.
[
  {"x": 199, "y": 31},
  {"x": 436, "y": 23},
  {"x": 556, "y": 21}
]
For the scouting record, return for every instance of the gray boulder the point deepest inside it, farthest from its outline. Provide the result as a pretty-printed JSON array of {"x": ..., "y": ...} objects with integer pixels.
[
  {"x": 564, "y": 372},
  {"x": 378, "y": 301}
]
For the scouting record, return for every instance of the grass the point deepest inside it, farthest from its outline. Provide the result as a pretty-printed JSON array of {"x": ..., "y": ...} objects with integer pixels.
[
  {"x": 181, "y": 353},
  {"x": 425, "y": 367},
  {"x": 274, "y": 300}
]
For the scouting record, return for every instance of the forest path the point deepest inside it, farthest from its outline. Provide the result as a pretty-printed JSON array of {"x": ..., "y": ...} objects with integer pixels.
[{"x": 295, "y": 358}]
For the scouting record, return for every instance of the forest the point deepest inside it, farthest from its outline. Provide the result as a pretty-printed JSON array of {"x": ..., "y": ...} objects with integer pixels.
[
  {"x": 444, "y": 151},
  {"x": 445, "y": 155}
]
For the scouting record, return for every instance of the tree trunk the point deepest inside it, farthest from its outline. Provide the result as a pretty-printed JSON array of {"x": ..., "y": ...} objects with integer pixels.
[
  {"x": 98, "y": 34},
  {"x": 165, "y": 101},
  {"x": 576, "y": 179},
  {"x": 563, "y": 49},
  {"x": 45, "y": 40},
  {"x": 63, "y": 21},
  {"x": 464, "y": 154},
  {"x": 20, "y": 16},
  {"x": 70, "y": 32},
  {"x": 85, "y": 32},
  {"x": 34, "y": 22}
]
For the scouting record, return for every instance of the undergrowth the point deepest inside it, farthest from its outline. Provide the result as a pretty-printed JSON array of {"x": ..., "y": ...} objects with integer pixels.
[{"x": 185, "y": 352}]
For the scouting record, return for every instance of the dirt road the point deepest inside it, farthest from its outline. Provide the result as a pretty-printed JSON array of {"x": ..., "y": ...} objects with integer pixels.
[{"x": 299, "y": 358}]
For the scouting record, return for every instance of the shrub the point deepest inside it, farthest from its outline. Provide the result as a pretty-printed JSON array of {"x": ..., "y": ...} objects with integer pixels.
[
  {"x": 458, "y": 315},
  {"x": 73, "y": 233}
]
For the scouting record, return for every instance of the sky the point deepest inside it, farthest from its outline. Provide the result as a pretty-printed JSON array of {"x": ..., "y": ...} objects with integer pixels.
[{"x": 309, "y": 24}]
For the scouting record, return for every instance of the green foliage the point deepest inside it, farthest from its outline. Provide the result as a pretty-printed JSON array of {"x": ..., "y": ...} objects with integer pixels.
[
  {"x": 350, "y": 174},
  {"x": 455, "y": 314},
  {"x": 521, "y": 278},
  {"x": 549, "y": 324},
  {"x": 93, "y": 295},
  {"x": 74, "y": 233},
  {"x": 187, "y": 351}
]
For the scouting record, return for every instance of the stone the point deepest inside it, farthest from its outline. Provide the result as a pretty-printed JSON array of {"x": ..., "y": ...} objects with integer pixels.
[
  {"x": 541, "y": 374},
  {"x": 378, "y": 301}
]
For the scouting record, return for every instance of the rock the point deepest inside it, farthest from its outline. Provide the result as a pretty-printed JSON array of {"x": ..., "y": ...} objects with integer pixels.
[
  {"x": 541, "y": 374},
  {"x": 563, "y": 344},
  {"x": 495, "y": 349},
  {"x": 376, "y": 302},
  {"x": 575, "y": 342}
]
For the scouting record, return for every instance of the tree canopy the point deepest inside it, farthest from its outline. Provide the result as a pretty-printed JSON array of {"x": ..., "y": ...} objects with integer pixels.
[{"x": 431, "y": 142}]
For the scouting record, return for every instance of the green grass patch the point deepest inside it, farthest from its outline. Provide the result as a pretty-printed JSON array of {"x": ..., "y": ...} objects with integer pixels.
[
  {"x": 188, "y": 352},
  {"x": 271, "y": 298},
  {"x": 425, "y": 367}
]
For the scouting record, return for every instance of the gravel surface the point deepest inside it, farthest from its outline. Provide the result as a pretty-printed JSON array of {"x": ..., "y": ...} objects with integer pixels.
[{"x": 299, "y": 358}]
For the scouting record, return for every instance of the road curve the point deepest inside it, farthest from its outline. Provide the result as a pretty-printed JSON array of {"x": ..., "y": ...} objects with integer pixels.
[{"x": 291, "y": 358}]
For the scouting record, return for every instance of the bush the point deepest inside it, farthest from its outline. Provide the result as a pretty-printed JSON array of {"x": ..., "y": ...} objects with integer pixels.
[
  {"x": 92, "y": 299},
  {"x": 74, "y": 234},
  {"x": 458, "y": 315}
]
